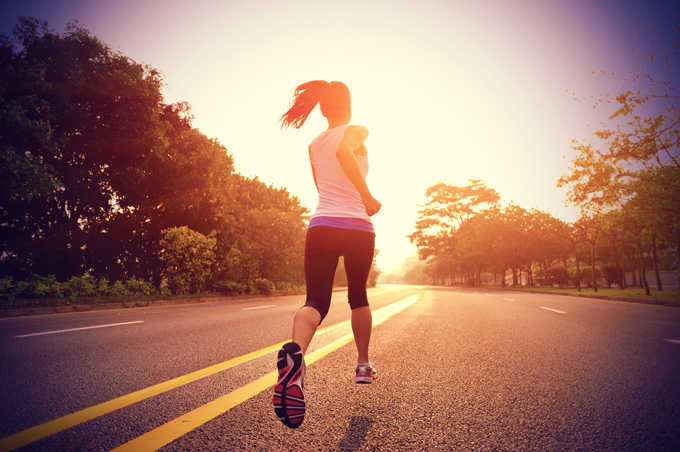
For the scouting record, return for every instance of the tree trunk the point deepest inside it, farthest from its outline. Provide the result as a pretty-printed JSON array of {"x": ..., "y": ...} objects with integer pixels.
[
  {"x": 578, "y": 274},
  {"x": 622, "y": 272},
  {"x": 592, "y": 266},
  {"x": 656, "y": 262},
  {"x": 643, "y": 277}
]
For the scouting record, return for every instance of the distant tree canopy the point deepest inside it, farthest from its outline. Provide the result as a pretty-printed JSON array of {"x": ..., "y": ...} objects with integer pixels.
[
  {"x": 625, "y": 181},
  {"x": 466, "y": 232},
  {"x": 94, "y": 166},
  {"x": 628, "y": 176}
]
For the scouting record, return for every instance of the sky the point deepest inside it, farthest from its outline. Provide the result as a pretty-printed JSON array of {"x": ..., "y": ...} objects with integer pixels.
[{"x": 450, "y": 90}]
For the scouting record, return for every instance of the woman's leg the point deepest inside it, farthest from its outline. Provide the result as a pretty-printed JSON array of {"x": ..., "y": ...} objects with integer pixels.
[
  {"x": 362, "y": 321},
  {"x": 358, "y": 261},
  {"x": 305, "y": 323},
  {"x": 321, "y": 261}
]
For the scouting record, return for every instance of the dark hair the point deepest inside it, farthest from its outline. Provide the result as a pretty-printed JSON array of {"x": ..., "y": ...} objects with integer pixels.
[{"x": 333, "y": 99}]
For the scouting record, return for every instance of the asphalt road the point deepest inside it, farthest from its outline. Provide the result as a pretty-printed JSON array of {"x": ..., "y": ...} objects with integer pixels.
[{"x": 458, "y": 370}]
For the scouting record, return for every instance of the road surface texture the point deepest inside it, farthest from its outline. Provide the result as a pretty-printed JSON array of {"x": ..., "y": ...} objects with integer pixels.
[{"x": 459, "y": 370}]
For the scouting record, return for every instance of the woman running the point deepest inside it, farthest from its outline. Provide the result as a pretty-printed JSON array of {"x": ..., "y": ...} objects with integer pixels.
[{"x": 340, "y": 226}]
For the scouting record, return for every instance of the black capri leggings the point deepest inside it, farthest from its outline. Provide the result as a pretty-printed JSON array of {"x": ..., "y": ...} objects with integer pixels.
[{"x": 323, "y": 247}]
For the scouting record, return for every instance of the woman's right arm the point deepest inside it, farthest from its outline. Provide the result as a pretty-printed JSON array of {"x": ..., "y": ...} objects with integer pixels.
[{"x": 313, "y": 169}]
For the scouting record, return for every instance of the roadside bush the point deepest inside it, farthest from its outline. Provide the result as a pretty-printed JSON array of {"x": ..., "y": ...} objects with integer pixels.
[
  {"x": 83, "y": 286},
  {"x": 148, "y": 288},
  {"x": 119, "y": 289},
  {"x": 574, "y": 276},
  {"x": 139, "y": 286},
  {"x": 556, "y": 275},
  {"x": 103, "y": 287},
  {"x": 586, "y": 275},
  {"x": 37, "y": 286},
  {"x": 188, "y": 257},
  {"x": 133, "y": 286},
  {"x": 264, "y": 285},
  {"x": 20, "y": 290},
  {"x": 539, "y": 276},
  {"x": 6, "y": 284},
  {"x": 288, "y": 287},
  {"x": 227, "y": 287}
]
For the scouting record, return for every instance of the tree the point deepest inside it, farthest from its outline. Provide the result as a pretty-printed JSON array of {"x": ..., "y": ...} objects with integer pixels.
[
  {"x": 265, "y": 235},
  {"x": 95, "y": 167},
  {"x": 633, "y": 161},
  {"x": 446, "y": 209},
  {"x": 189, "y": 257},
  {"x": 83, "y": 114},
  {"x": 613, "y": 232},
  {"x": 589, "y": 228}
]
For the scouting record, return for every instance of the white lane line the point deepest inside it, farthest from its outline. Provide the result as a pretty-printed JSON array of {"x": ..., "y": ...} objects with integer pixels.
[
  {"x": 675, "y": 341},
  {"x": 259, "y": 307},
  {"x": 79, "y": 329},
  {"x": 508, "y": 299},
  {"x": 553, "y": 310},
  {"x": 488, "y": 294}
]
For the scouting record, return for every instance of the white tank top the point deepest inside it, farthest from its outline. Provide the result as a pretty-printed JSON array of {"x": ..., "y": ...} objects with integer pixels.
[{"x": 337, "y": 195}]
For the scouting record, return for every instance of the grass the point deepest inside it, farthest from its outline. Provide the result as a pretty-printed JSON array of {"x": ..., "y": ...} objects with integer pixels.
[
  {"x": 23, "y": 303},
  {"x": 672, "y": 295}
]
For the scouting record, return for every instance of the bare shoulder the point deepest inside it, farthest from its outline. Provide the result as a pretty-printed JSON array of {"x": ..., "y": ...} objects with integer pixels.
[{"x": 360, "y": 132}]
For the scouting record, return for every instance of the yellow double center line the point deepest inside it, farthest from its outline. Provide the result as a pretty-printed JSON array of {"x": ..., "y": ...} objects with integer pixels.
[{"x": 167, "y": 433}]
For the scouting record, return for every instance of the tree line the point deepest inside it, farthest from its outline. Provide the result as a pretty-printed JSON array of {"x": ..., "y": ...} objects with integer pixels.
[
  {"x": 101, "y": 178},
  {"x": 625, "y": 182}
]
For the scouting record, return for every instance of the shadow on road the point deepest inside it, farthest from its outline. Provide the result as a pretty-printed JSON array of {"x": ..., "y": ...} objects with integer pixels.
[{"x": 355, "y": 434}]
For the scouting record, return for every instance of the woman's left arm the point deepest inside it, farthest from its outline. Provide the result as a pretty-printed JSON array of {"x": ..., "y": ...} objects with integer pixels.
[{"x": 353, "y": 140}]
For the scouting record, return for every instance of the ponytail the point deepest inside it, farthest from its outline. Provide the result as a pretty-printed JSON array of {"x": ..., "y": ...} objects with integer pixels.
[{"x": 334, "y": 98}]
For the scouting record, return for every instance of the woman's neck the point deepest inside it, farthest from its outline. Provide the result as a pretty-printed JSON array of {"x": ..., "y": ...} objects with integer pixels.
[{"x": 336, "y": 121}]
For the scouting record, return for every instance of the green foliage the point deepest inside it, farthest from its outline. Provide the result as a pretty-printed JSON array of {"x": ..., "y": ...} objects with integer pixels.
[
  {"x": 20, "y": 289},
  {"x": 189, "y": 257},
  {"x": 289, "y": 287},
  {"x": 556, "y": 275},
  {"x": 575, "y": 276},
  {"x": 629, "y": 171},
  {"x": 45, "y": 287},
  {"x": 94, "y": 167},
  {"x": 138, "y": 287},
  {"x": 37, "y": 286},
  {"x": 229, "y": 287},
  {"x": 103, "y": 287},
  {"x": 586, "y": 275},
  {"x": 83, "y": 286},
  {"x": 264, "y": 286},
  {"x": 447, "y": 208},
  {"x": 625, "y": 180},
  {"x": 6, "y": 284},
  {"x": 119, "y": 289}
]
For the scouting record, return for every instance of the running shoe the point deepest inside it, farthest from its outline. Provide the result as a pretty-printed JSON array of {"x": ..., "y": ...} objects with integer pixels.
[
  {"x": 366, "y": 374},
  {"x": 289, "y": 398}
]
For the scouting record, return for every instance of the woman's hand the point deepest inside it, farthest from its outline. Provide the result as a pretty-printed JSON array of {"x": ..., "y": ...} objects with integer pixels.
[{"x": 372, "y": 205}]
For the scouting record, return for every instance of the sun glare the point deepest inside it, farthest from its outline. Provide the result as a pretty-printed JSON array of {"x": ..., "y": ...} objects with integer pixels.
[{"x": 449, "y": 91}]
